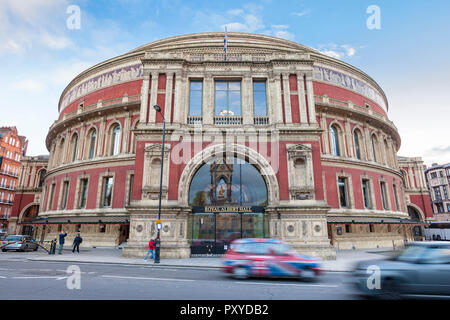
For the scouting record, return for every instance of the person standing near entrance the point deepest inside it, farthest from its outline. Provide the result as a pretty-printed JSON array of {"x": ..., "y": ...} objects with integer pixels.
[
  {"x": 151, "y": 250},
  {"x": 62, "y": 235},
  {"x": 76, "y": 243}
]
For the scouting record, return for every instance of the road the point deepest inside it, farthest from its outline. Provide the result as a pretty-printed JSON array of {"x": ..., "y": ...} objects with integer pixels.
[{"x": 24, "y": 279}]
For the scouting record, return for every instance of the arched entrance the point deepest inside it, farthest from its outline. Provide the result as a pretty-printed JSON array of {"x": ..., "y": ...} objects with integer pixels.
[
  {"x": 228, "y": 197},
  {"x": 28, "y": 214},
  {"x": 414, "y": 214}
]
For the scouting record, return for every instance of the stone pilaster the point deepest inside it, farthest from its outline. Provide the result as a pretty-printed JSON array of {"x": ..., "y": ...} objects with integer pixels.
[
  {"x": 153, "y": 98},
  {"x": 302, "y": 99},
  {"x": 311, "y": 104},
  {"x": 144, "y": 97},
  {"x": 287, "y": 98},
  {"x": 208, "y": 100},
  {"x": 247, "y": 100},
  {"x": 168, "y": 100}
]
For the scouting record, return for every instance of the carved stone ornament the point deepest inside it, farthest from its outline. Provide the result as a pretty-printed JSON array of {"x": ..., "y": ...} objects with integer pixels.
[{"x": 299, "y": 151}]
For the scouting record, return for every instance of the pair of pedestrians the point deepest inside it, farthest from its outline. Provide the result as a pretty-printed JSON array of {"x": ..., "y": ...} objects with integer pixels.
[{"x": 76, "y": 242}]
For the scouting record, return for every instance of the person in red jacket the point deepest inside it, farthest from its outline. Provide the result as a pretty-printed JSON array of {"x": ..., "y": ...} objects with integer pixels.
[{"x": 151, "y": 250}]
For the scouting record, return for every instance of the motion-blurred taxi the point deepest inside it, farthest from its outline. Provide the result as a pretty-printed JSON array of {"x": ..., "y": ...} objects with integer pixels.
[
  {"x": 268, "y": 258},
  {"x": 422, "y": 269}
]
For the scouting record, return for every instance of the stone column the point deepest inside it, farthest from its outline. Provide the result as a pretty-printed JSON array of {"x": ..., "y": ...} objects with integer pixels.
[
  {"x": 276, "y": 94},
  {"x": 287, "y": 98},
  {"x": 368, "y": 140},
  {"x": 80, "y": 143},
  {"x": 153, "y": 97},
  {"x": 350, "y": 144},
  {"x": 248, "y": 113},
  {"x": 179, "y": 97},
  {"x": 323, "y": 123},
  {"x": 168, "y": 107},
  {"x": 33, "y": 177},
  {"x": 208, "y": 100},
  {"x": 311, "y": 105},
  {"x": 144, "y": 97},
  {"x": 302, "y": 99},
  {"x": 101, "y": 137},
  {"x": 126, "y": 133}
]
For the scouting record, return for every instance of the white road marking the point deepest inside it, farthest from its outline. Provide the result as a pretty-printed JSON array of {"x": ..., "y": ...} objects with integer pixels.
[
  {"x": 47, "y": 277},
  {"x": 2, "y": 277},
  {"x": 141, "y": 278},
  {"x": 289, "y": 284}
]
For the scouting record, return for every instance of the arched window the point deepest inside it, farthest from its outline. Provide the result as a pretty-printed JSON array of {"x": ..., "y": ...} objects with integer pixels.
[
  {"x": 61, "y": 152},
  {"x": 375, "y": 148},
  {"x": 335, "y": 148},
  {"x": 41, "y": 177},
  {"x": 357, "y": 136},
  {"x": 92, "y": 143},
  {"x": 74, "y": 147},
  {"x": 387, "y": 153},
  {"x": 115, "y": 140}
]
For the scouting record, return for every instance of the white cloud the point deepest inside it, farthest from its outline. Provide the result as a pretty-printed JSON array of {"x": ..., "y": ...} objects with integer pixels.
[
  {"x": 337, "y": 51},
  {"x": 28, "y": 85},
  {"x": 55, "y": 42},
  {"x": 301, "y": 13}
]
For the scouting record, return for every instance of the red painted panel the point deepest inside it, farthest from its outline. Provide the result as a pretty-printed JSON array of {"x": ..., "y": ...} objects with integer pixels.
[
  {"x": 345, "y": 95},
  {"x": 116, "y": 91},
  {"x": 293, "y": 82},
  {"x": 295, "y": 109},
  {"x": 162, "y": 81},
  {"x": 161, "y": 101}
]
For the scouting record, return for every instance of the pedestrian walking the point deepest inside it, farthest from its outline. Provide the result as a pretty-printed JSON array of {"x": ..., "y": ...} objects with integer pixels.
[
  {"x": 151, "y": 250},
  {"x": 76, "y": 243},
  {"x": 62, "y": 235}
]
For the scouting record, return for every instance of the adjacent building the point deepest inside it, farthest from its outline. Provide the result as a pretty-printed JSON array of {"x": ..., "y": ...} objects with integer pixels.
[
  {"x": 268, "y": 139},
  {"x": 438, "y": 181},
  {"x": 12, "y": 148},
  {"x": 28, "y": 193}
]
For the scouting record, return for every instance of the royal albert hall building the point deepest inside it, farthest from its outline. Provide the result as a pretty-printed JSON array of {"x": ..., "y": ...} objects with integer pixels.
[{"x": 270, "y": 139}]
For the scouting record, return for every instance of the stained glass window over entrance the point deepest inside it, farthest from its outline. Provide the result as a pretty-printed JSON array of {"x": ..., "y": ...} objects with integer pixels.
[{"x": 232, "y": 182}]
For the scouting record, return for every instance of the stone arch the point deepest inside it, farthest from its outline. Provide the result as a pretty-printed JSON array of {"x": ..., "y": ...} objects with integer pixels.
[
  {"x": 239, "y": 151},
  {"x": 340, "y": 137},
  {"x": 416, "y": 208},
  {"x": 24, "y": 209}
]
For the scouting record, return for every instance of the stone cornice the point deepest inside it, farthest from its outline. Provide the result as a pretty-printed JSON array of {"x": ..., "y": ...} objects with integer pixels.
[
  {"x": 358, "y": 164},
  {"x": 103, "y": 162}
]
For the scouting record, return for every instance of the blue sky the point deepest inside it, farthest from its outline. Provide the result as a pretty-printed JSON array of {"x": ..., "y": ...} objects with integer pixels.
[{"x": 408, "y": 56}]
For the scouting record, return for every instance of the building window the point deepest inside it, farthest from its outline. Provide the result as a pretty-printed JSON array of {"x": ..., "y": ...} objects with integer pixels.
[
  {"x": 371, "y": 227},
  {"x": 74, "y": 146},
  {"x": 92, "y": 143},
  {"x": 65, "y": 194},
  {"x": 195, "y": 98},
  {"x": 130, "y": 189},
  {"x": 433, "y": 175},
  {"x": 397, "y": 202},
  {"x": 357, "y": 135},
  {"x": 102, "y": 228},
  {"x": 107, "y": 192},
  {"x": 335, "y": 148},
  {"x": 440, "y": 207},
  {"x": 448, "y": 207},
  {"x": 259, "y": 98},
  {"x": 84, "y": 193},
  {"x": 366, "y": 193},
  {"x": 348, "y": 228},
  {"x": 437, "y": 193},
  {"x": 41, "y": 177},
  {"x": 52, "y": 193},
  {"x": 115, "y": 140},
  {"x": 228, "y": 98},
  {"x": 445, "y": 192},
  {"x": 343, "y": 196},
  {"x": 383, "y": 195}
]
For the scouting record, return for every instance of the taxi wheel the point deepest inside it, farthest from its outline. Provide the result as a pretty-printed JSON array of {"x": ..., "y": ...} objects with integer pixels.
[
  {"x": 240, "y": 273},
  {"x": 4, "y": 250},
  {"x": 308, "y": 275}
]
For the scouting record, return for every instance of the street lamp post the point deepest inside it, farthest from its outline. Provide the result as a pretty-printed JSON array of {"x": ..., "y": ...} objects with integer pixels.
[{"x": 158, "y": 240}]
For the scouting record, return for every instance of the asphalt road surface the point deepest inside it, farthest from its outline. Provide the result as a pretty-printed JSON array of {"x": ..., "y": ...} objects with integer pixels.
[{"x": 24, "y": 279}]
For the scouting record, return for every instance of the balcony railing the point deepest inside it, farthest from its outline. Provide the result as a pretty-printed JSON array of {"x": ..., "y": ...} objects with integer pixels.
[
  {"x": 261, "y": 120},
  {"x": 195, "y": 120},
  {"x": 228, "y": 120},
  {"x": 8, "y": 173}
]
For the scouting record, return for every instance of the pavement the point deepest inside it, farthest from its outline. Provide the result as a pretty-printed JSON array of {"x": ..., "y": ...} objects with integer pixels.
[{"x": 345, "y": 259}]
